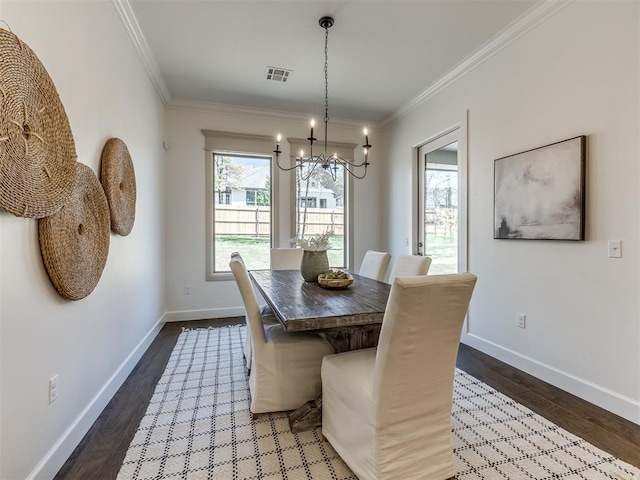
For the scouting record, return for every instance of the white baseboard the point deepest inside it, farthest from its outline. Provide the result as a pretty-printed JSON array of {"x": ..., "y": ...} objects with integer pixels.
[
  {"x": 70, "y": 439},
  {"x": 184, "y": 315},
  {"x": 603, "y": 397}
]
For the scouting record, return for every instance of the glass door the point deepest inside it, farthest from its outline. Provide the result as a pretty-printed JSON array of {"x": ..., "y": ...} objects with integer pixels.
[{"x": 439, "y": 213}]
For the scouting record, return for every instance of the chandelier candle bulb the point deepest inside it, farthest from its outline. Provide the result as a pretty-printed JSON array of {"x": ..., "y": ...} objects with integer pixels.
[{"x": 277, "y": 150}]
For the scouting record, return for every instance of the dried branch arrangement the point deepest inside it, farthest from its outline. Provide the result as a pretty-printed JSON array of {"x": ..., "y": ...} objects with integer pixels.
[{"x": 315, "y": 243}]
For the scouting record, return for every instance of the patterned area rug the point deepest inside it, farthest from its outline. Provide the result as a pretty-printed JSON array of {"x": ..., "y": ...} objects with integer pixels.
[{"x": 198, "y": 426}]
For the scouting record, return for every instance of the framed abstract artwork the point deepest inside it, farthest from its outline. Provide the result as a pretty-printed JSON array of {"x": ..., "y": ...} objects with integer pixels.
[{"x": 540, "y": 194}]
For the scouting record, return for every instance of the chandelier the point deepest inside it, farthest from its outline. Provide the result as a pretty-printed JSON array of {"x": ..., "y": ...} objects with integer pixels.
[{"x": 333, "y": 161}]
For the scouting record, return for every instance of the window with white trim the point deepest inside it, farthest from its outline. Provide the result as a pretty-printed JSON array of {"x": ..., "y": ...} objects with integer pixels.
[
  {"x": 322, "y": 202},
  {"x": 241, "y": 216}
]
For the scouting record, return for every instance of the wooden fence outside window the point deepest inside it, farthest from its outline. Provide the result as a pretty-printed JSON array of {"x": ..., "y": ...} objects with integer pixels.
[{"x": 239, "y": 221}]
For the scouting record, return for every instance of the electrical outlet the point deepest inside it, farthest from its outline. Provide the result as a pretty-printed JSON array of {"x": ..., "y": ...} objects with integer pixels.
[
  {"x": 615, "y": 248},
  {"x": 53, "y": 388},
  {"x": 522, "y": 320},
  {"x": 187, "y": 289}
]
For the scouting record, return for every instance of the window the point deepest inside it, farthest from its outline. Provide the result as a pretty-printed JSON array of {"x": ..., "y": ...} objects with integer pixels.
[
  {"x": 223, "y": 197},
  {"x": 311, "y": 220},
  {"x": 242, "y": 209},
  {"x": 250, "y": 197},
  {"x": 441, "y": 209},
  {"x": 237, "y": 163},
  {"x": 307, "y": 202}
]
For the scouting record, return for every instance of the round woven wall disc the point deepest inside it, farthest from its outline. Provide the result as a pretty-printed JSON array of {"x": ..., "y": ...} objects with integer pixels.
[
  {"x": 74, "y": 241},
  {"x": 119, "y": 181},
  {"x": 37, "y": 151}
]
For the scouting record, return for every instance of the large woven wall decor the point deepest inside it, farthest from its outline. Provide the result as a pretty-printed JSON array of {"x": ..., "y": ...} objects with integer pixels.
[
  {"x": 119, "y": 181},
  {"x": 37, "y": 150},
  {"x": 74, "y": 241}
]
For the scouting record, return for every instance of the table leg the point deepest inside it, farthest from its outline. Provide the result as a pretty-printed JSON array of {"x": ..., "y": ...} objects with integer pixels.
[
  {"x": 309, "y": 415},
  {"x": 345, "y": 339}
]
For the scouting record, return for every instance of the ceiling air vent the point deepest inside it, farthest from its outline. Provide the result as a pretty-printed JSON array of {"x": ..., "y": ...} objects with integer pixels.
[{"x": 278, "y": 74}]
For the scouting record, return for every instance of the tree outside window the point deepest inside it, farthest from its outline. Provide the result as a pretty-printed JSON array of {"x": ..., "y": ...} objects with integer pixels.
[
  {"x": 228, "y": 175},
  {"x": 242, "y": 210},
  {"x": 319, "y": 188}
]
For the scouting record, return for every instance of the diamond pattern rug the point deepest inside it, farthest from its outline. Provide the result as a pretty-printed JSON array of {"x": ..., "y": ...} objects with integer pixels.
[{"x": 198, "y": 426}]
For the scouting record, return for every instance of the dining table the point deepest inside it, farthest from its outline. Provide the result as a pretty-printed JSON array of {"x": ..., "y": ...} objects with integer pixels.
[{"x": 348, "y": 318}]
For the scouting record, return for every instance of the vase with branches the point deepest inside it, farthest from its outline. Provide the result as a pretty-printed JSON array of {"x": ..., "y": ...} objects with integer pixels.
[{"x": 314, "y": 255}]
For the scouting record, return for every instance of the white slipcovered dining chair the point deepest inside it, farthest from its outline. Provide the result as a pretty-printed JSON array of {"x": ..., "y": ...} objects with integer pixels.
[
  {"x": 285, "y": 371},
  {"x": 286, "y": 258},
  {"x": 409, "y": 266},
  {"x": 374, "y": 265},
  {"x": 387, "y": 410},
  {"x": 283, "y": 259},
  {"x": 267, "y": 319}
]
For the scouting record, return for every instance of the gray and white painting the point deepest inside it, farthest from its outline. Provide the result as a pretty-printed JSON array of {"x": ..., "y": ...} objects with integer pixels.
[{"x": 539, "y": 193}]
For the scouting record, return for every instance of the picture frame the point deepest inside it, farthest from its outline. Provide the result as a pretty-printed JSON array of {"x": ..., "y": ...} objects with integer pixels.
[{"x": 539, "y": 194}]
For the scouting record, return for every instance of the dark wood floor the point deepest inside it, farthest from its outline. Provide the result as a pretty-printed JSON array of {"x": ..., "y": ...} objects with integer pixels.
[{"x": 101, "y": 452}]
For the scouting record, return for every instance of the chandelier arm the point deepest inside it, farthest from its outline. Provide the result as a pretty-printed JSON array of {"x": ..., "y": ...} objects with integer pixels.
[
  {"x": 351, "y": 163},
  {"x": 355, "y": 175},
  {"x": 303, "y": 176},
  {"x": 286, "y": 169},
  {"x": 349, "y": 166},
  {"x": 314, "y": 161},
  {"x": 309, "y": 173},
  {"x": 333, "y": 173}
]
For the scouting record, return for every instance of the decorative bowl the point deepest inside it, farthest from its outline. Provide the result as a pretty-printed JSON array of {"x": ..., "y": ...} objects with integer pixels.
[{"x": 335, "y": 282}]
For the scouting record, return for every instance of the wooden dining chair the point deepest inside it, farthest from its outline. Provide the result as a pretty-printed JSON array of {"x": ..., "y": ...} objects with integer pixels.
[
  {"x": 387, "y": 410},
  {"x": 374, "y": 265},
  {"x": 286, "y": 258},
  {"x": 409, "y": 266},
  {"x": 285, "y": 371}
]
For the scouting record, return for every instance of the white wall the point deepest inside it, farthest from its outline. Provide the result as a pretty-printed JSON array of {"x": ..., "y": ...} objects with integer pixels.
[
  {"x": 575, "y": 74},
  {"x": 106, "y": 93},
  {"x": 185, "y": 205}
]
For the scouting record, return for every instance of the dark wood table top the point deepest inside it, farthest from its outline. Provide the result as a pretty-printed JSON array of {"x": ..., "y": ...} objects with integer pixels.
[{"x": 301, "y": 305}]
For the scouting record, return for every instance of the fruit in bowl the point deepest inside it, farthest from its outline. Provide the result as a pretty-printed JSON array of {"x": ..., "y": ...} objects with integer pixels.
[{"x": 335, "y": 279}]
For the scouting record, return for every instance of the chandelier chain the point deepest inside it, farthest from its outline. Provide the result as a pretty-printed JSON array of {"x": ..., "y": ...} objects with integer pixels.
[{"x": 326, "y": 73}]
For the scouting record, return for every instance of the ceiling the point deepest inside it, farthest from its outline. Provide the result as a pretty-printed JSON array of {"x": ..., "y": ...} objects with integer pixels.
[{"x": 382, "y": 54}]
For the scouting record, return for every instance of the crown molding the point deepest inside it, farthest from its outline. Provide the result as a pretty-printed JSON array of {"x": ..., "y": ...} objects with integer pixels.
[
  {"x": 529, "y": 20},
  {"x": 235, "y": 135},
  {"x": 259, "y": 113},
  {"x": 130, "y": 22},
  {"x": 303, "y": 142},
  {"x": 132, "y": 26}
]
